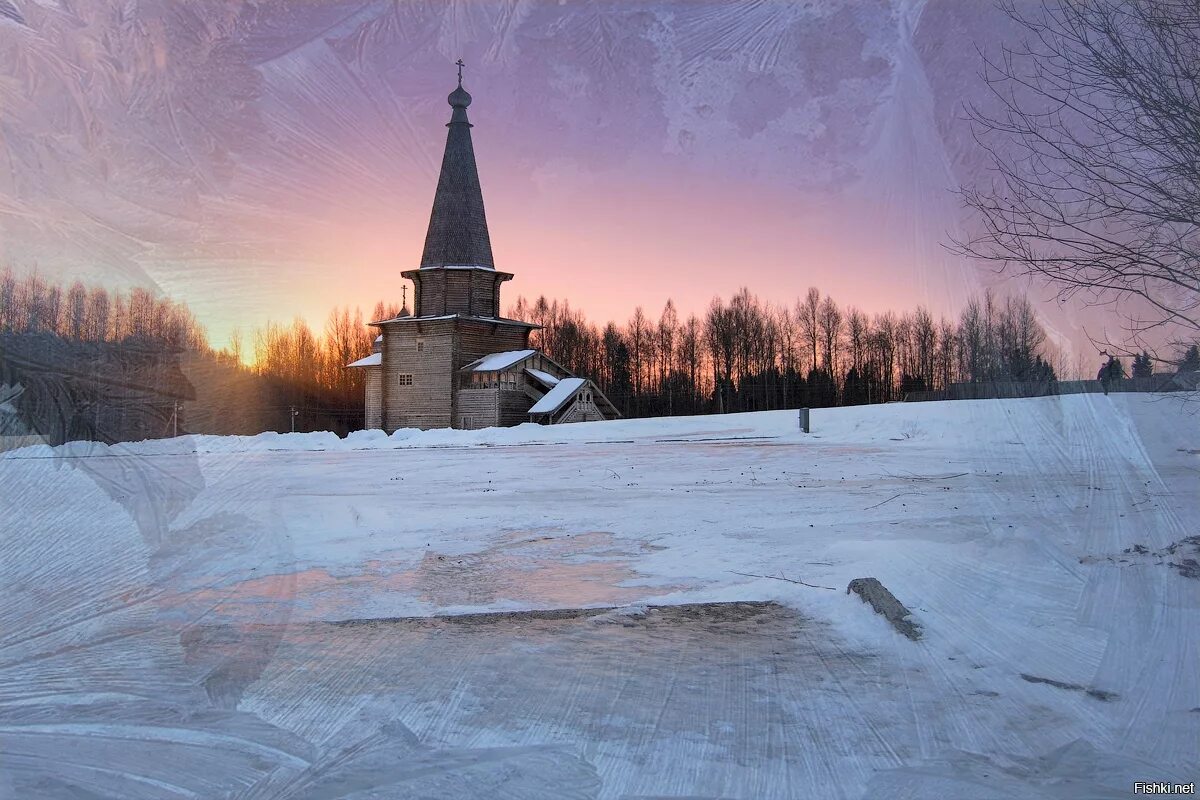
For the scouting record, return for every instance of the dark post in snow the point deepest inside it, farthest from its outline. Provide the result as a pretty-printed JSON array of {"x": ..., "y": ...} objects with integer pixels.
[{"x": 804, "y": 420}]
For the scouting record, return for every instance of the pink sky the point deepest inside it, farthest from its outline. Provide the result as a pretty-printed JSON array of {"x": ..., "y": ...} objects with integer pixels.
[
  {"x": 263, "y": 164},
  {"x": 625, "y": 240}
]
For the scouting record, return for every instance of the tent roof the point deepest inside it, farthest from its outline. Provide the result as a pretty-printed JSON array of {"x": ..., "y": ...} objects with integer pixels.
[{"x": 458, "y": 232}]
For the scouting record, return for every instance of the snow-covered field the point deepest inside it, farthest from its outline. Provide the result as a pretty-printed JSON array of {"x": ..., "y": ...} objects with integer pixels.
[{"x": 298, "y": 616}]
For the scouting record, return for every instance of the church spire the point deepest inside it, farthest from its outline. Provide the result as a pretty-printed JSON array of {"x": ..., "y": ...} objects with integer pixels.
[{"x": 458, "y": 234}]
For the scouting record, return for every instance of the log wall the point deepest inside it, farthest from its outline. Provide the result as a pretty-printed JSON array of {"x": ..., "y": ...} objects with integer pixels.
[
  {"x": 431, "y": 400},
  {"x": 476, "y": 408},
  {"x": 374, "y": 404},
  {"x": 470, "y": 292},
  {"x": 428, "y": 401}
]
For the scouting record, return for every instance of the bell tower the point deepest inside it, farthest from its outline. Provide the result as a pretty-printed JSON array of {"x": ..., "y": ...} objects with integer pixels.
[
  {"x": 457, "y": 274},
  {"x": 456, "y": 362}
]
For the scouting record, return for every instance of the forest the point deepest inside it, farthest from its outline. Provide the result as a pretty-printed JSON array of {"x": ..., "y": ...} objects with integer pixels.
[
  {"x": 92, "y": 363},
  {"x": 741, "y": 354},
  {"x": 747, "y": 355}
]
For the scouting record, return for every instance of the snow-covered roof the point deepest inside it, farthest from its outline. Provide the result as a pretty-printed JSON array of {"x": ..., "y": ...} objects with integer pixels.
[
  {"x": 553, "y": 400},
  {"x": 544, "y": 377},
  {"x": 373, "y": 360},
  {"x": 498, "y": 361},
  {"x": 379, "y": 338}
]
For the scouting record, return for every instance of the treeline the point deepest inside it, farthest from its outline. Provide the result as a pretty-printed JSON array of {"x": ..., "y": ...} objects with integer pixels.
[
  {"x": 80, "y": 362},
  {"x": 745, "y": 354},
  {"x": 288, "y": 376},
  {"x": 291, "y": 353},
  {"x": 741, "y": 354},
  {"x": 94, "y": 363},
  {"x": 78, "y": 313},
  {"x": 312, "y": 361}
]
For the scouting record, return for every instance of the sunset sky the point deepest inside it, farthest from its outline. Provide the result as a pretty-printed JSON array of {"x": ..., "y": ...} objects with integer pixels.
[{"x": 262, "y": 162}]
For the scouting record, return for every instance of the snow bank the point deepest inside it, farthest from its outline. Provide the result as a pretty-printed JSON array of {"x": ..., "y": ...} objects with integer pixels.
[
  {"x": 1030, "y": 539},
  {"x": 969, "y": 422}
]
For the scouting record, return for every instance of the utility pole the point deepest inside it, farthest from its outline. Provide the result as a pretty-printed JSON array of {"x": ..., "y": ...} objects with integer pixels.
[
  {"x": 175, "y": 418},
  {"x": 293, "y": 416}
]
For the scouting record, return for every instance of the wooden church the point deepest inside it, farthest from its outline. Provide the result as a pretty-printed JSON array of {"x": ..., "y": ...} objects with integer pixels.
[{"x": 455, "y": 362}]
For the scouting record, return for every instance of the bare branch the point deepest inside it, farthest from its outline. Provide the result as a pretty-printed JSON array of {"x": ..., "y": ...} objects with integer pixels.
[{"x": 1094, "y": 144}]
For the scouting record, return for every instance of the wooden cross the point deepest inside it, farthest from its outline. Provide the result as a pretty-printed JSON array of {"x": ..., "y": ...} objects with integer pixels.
[
  {"x": 460, "y": 66},
  {"x": 403, "y": 296}
]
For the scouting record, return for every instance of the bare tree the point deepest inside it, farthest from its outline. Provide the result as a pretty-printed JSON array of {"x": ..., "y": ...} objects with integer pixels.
[
  {"x": 99, "y": 309},
  {"x": 789, "y": 358},
  {"x": 808, "y": 313},
  {"x": 667, "y": 332},
  {"x": 614, "y": 362},
  {"x": 857, "y": 328},
  {"x": 75, "y": 312},
  {"x": 8, "y": 300},
  {"x": 829, "y": 321},
  {"x": 972, "y": 341},
  {"x": 1095, "y": 156},
  {"x": 924, "y": 345},
  {"x": 236, "y": 347},
  {"x": 639, "y": 339},
  {"x": 342, "y": 344},
  {"x": 883, "y": 347},
  {"x": 721, "y": 338},
  {"x": 947, "y": 349},
  {"x": 519, "y": 309},
  {"x": 688, "y": 354}
]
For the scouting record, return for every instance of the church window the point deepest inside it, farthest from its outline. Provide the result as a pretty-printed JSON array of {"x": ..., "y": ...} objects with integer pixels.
[{"x": 404, "y": 380}]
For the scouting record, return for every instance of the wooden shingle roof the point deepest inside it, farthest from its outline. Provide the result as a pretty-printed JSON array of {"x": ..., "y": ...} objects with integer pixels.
[{"x": 458, "y": 233}]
